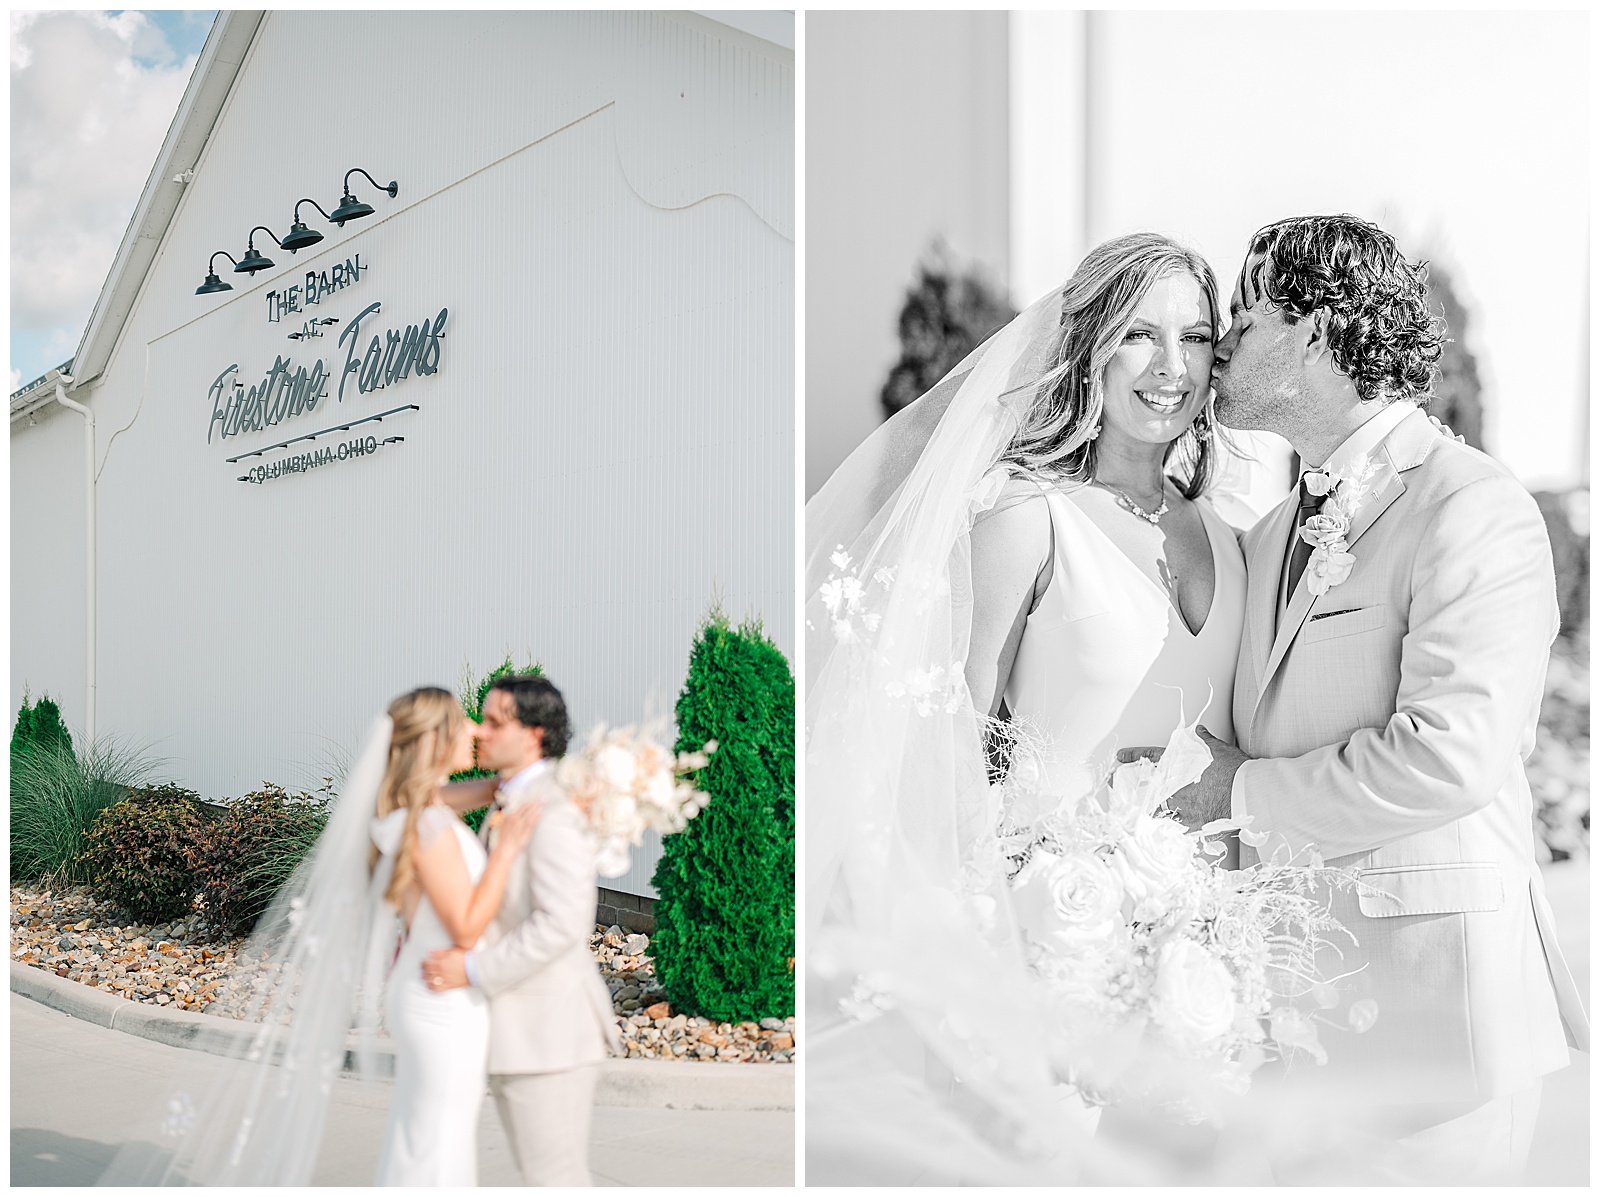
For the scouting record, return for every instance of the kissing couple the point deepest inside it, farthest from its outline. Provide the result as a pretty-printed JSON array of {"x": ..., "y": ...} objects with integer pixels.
[
  {"x": 472, "y": 951},
  {"x": 1040, "y": 541}
]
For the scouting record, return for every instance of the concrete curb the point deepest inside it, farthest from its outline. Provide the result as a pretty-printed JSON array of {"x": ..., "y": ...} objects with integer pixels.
[{"x": 639, "y": 1084}]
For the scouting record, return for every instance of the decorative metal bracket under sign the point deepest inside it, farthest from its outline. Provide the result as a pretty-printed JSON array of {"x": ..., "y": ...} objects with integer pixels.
[{"x": 310, "y": 459}]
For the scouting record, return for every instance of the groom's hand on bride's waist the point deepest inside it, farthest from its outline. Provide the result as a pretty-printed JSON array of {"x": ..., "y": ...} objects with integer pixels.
[
  {"x": 445, "y": 969},
  {"x": 1209, "y": 798}
]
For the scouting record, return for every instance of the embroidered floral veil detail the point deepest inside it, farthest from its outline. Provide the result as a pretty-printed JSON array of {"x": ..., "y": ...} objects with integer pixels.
[
  {"x": 254, "y": 1112},
  {"x": 919, "y": 998}
]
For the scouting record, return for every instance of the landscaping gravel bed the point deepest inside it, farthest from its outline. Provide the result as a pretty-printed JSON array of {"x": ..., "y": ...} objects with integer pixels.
[{"x": 184, "y": 965}]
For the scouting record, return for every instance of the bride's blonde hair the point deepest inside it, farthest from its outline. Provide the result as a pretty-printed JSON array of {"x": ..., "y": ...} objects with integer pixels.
[
  {"x": 1098, "y": 304},
  {"x": 426, "y": 724}
]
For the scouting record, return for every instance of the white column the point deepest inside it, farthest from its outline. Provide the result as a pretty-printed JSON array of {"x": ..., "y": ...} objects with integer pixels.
[{"x": 1050, "y": 175}]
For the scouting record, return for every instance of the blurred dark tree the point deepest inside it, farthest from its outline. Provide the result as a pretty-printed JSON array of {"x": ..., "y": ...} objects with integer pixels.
[
  {"x": 947, "y": 314},
  {"x": 1569, "y": 545},
  {"x": 1458, "y": 396}
]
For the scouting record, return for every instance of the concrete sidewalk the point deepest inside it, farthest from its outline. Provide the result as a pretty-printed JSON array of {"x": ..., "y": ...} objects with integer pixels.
[
  {"x": 78, "y": 1091},
  {"x": 665, "y": 1084}
]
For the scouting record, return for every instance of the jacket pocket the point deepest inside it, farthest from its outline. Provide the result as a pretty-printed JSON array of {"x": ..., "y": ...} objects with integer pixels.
[
  {"x": 1431, "y": 889},
  {"x": 1343, "y": 623}
]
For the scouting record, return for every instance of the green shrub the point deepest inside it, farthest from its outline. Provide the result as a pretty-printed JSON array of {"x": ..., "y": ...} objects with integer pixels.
[
  {"x": 250, "y": 850},
  {"x": 137, "y": 853},
  {"x": 56, "y": 794},
  {"x": 724, "y": 936},
  {"x": 39, "y": 725},
  {"x": 474, "y": 692}
]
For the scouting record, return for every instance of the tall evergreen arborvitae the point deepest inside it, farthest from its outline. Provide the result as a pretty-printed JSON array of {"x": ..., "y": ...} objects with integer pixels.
[
  {"x": 38, "y": 726},
  {"x": 725, "y": 915}
]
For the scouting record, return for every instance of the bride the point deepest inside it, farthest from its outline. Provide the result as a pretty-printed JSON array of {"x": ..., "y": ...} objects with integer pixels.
[
  {"x": 446, "y": 890},
  {"x": 394, "y": 875},
  {"x": 1030, "y": 543}
]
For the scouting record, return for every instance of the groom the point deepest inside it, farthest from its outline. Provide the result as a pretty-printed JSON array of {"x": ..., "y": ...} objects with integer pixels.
[
  {"x": 550, "y": 1018},
  {"x": 1392, "y": 664}
]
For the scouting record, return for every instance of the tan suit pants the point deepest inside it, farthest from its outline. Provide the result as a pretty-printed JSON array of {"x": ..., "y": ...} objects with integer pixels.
[
  {"x": 547, "y": 1116},
  {"x": 1488, "y": 1144}
]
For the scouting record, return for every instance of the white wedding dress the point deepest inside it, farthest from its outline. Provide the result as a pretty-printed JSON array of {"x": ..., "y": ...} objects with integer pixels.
[
  {"x": 1106, "y": 660},
  {"x": 441, "y": 1040},
  {"x": 930, "y": 1058}
]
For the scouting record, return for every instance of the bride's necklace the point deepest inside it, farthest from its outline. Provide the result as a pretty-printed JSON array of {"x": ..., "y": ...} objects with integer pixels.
[{"x": 1126, "y": 500}]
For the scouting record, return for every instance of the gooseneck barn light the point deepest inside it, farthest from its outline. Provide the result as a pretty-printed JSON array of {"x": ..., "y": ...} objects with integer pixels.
[
  {"x": 214, "y": 284},
  {"x": 351, "y": 208},
  {"x": 254, "y": 259},
  {"x": 300, "y": 237}
]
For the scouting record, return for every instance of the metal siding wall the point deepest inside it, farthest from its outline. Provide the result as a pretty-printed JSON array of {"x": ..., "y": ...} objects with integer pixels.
[
  {"x": 608, "y": 441},
  {"x": 47, "y": 595}
]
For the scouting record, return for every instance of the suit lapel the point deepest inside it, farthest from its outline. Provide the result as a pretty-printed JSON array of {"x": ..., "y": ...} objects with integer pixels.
[{"x": 1404, "y": 448}]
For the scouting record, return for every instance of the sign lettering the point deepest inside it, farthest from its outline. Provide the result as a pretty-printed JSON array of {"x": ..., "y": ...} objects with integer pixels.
[{"x": 318, "y": 286}]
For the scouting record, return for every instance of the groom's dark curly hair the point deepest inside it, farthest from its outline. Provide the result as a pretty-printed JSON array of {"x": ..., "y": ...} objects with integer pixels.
[
  {"x": 1383, "y": 333},
  {"x": 538, "y": 704}
]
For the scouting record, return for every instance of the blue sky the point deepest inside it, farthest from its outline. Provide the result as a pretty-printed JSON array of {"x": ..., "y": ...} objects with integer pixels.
[
  {"x": 185, "y": 31},
  {"x": 92, "y": 96}
]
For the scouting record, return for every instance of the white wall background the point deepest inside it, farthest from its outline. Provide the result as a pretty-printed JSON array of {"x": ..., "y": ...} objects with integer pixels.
[
  {"x": 906, "y": 141},
  {"x": 1464, "y": 133},
  {"x": 605, "y": 204}
]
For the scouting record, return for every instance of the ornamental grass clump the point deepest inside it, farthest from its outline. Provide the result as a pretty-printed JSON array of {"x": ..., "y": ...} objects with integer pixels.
[
  {"x": 56, "y": 793},
  {"x": 250, "y": 850},
  {"x": 724, "y": 934},
  {"x": 137, "y": 853}
]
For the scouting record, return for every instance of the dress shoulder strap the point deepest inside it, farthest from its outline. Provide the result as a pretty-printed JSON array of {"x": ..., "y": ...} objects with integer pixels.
[{"x": 1047, "y": 571}]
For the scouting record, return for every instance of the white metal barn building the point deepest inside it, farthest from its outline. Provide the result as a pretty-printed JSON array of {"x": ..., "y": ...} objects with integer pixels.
[{"x": 539, "y": 402}]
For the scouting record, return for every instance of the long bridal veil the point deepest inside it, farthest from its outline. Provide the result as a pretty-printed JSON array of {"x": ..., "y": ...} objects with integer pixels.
[
  {"x": 312, "y": 973},
  {"x": 929, "y": 1048}
]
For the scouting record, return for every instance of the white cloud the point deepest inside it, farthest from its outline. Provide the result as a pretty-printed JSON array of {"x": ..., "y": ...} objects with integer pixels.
[{"x": 92, "y": 97}]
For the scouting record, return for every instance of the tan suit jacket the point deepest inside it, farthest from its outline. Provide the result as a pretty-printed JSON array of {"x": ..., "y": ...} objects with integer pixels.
[
  {"x": 548, "y": 1008},
  {"x": 1392, "y": 716}
]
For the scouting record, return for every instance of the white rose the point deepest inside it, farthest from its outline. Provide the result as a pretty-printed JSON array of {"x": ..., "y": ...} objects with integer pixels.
[
  {"x": 1193, "y": 1001},
  {"x": 1324, "y": 527},
  {"x": 1327, "y": 569},
  {"x": 615, "y": 765},
  {"x": 1072, "y": 900},
  {"x": 1152, "y": 857}
]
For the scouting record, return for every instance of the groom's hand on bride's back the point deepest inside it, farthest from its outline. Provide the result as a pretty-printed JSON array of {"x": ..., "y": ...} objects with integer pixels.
[{"x": 444, "y": 969}]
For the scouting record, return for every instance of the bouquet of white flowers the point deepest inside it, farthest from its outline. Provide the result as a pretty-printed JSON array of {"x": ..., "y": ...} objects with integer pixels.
[
  {"x": 1172, "y": 978},
  {"x": 627, "y": 781}
]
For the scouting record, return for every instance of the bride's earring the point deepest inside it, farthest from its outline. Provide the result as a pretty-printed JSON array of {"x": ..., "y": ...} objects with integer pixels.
[
  {"x": 1094, "y": 433},
  {"x": 1202, "y": 427}
]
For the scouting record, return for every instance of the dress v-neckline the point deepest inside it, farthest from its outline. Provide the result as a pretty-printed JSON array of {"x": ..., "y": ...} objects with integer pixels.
[{"x": 1170, "y": 597}]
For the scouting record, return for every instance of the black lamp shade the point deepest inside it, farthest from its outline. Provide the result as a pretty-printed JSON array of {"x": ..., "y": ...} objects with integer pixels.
[
  {"x": 349, "y": 208},
  {"x": 212, "y": 285},
  {"x": 299, "y": 238},
  {"x": 253, "y": 261}
]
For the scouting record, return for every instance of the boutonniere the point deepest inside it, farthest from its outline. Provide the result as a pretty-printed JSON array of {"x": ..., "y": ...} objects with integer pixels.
[{"x": 1331, "y": 561}]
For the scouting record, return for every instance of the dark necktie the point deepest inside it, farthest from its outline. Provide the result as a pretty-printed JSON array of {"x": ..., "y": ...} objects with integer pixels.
[{"x": 1309, "y": 506}]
